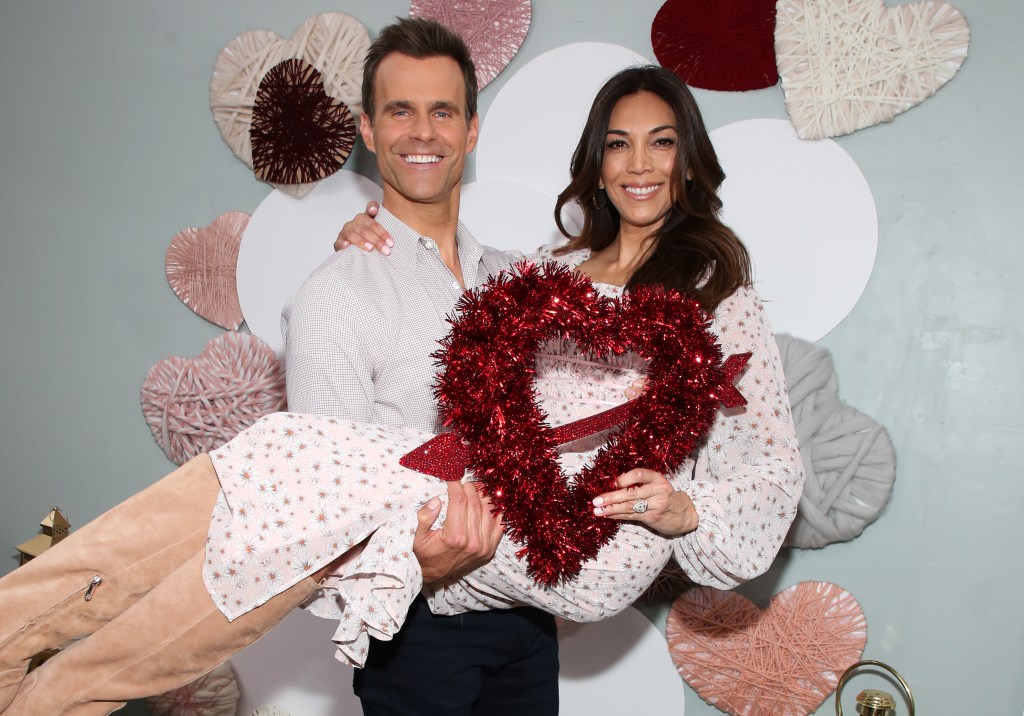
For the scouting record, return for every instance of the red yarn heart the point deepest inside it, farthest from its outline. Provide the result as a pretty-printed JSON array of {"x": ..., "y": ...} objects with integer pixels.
[
  {"x": 487, "y": 397},
  {"x": 784, "y": 660},
  {"x": 727, "y": 45}
]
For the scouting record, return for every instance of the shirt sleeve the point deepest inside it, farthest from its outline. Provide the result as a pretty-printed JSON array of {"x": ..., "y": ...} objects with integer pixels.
[
  {"x": 327, "y": 368},
  {"x": 749, "y": 475}
]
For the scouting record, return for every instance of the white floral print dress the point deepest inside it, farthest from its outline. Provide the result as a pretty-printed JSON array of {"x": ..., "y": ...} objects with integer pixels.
[{"x": 299, "y": 490}]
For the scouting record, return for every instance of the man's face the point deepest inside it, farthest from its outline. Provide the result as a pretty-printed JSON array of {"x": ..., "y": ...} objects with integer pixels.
[{"x": 420, "y": 131}]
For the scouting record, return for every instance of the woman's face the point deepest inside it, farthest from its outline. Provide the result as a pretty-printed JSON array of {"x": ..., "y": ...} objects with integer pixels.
[{"x": 639, "y": 155}]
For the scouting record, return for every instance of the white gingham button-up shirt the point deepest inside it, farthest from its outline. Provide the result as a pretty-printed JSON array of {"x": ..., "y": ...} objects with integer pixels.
[{"x": 359, "y": 333}]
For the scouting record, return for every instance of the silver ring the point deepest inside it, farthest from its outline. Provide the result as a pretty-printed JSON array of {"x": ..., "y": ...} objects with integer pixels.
[{"x": 640, "y": 506}]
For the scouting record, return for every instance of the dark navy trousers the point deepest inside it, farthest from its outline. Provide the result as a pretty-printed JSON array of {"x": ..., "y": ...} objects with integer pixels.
[{"x": 498, "y": 663}]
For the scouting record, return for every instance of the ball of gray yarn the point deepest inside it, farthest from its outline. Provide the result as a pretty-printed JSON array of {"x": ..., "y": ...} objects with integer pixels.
[{"x": 848, "y": 458}]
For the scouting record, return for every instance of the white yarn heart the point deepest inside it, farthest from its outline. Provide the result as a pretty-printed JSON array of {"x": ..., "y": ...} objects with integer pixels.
[
  {"x": 332, "y": 42},
  {"x": 850, "y": 64}
]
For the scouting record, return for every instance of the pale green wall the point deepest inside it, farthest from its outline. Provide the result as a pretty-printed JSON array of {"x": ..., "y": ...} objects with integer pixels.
[{"x": 108, "y": 148}]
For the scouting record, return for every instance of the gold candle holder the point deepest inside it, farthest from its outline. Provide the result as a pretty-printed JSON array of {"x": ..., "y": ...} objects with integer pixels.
[{"x": 873, "y": 702}]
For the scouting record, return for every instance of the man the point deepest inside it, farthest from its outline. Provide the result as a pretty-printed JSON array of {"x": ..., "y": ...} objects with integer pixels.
[{"x": 359, "y": 335}]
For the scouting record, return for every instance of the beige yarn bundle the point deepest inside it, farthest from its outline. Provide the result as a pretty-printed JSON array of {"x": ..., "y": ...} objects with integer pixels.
[
  {"x": 848, "y": 458},
  {"x": 334, "y": 43}
]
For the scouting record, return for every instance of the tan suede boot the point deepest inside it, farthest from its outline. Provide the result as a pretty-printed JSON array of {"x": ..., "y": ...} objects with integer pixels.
[
  {"x": 101, "y": 569},
  {"x": 173, "y": 635}
]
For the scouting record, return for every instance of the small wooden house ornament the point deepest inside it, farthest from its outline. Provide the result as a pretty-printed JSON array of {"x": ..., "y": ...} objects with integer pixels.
[{"x": 55, "y": 528}]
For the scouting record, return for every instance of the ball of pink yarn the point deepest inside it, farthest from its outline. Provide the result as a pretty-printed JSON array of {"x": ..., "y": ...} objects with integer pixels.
[{"x": 194, "y": 405}]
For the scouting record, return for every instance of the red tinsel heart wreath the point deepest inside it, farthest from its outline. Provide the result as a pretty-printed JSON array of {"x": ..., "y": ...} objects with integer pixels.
[{"x": 486, "y": 394}]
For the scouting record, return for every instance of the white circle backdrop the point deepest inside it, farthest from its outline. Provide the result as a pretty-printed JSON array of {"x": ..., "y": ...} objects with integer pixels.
[
  {"x": 536, "y": 119},
  {"x": 286, "y": 239},
  {"x": 806, "y": 213},
  {"x": 293, "y": 667}
]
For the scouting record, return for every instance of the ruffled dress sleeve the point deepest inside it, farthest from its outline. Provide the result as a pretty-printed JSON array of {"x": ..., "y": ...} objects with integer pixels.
[{"x": 748, "y": 476}]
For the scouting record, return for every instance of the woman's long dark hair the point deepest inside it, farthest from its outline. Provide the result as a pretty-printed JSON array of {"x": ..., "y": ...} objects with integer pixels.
[{"x": 693, "y": 250}]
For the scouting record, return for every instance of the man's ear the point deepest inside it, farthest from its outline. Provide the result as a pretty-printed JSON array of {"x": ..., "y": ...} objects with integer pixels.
[
  {"x": 366, "y": 129},
  {"x": 474, "y": 133}
]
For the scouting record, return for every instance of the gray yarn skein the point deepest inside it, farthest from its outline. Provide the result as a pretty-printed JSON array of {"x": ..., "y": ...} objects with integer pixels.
[{"x": 848, "y": 458}]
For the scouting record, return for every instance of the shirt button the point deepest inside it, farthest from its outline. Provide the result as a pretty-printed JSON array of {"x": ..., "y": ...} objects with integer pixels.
[
  {"x": 429, "y": 244},
  {"x": 457, "y": 286}
]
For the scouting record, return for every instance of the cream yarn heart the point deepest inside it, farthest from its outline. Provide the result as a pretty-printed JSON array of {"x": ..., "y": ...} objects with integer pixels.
[
  {"x": 850, "y": 64},
  {"x": 334, "y": 43}
]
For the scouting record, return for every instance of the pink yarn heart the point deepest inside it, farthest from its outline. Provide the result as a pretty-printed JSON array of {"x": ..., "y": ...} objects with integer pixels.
[
  {"x": 201, "y": 267},
  {"x": 784, "y": 660},
  {"x": 195, "y": 405},
  {"x": 493, "y": 30}
]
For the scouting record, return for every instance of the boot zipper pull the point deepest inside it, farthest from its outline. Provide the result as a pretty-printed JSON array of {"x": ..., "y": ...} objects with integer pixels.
[{"x": 93, "y": 583}]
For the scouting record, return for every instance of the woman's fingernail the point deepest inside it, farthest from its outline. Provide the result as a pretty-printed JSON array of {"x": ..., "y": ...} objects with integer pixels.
[{"x": 598, "y": 501}]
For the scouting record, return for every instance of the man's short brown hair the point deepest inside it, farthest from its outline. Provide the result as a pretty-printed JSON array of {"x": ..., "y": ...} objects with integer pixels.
[{"x": 421, "y": 39}]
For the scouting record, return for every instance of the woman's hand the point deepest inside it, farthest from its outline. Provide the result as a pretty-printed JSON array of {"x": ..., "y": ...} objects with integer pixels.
[
  {"x": 647, "y": 497},
  {"x": 364, "y": 232},
  {"x": 636, "y": 388}
]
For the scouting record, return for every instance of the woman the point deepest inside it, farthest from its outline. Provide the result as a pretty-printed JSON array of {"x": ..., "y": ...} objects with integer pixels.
[{"x": 297, "y": 491}]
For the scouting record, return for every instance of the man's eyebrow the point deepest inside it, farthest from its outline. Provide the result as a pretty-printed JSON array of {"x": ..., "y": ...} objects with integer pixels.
[
  {"x": 445, "y": 104},
  {"x": 434, "y": 106},
  {"x": 397, "y": 104}
]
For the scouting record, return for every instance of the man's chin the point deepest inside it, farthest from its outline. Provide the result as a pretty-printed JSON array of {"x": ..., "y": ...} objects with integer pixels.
[{"x": 421, "y": 195}]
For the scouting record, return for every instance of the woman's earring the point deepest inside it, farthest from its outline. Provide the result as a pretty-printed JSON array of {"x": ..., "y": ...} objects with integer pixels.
[{"x": 600, "y": 199}]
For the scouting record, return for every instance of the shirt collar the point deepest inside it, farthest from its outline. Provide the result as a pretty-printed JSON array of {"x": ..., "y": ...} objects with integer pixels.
[{"x": 407, "y": 243}]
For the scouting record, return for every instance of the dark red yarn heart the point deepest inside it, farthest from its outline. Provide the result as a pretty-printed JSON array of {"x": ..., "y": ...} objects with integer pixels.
[
  {"x": 487, "y": 398},
  {"x": 299, "y": 134},
  {"x": 726, "y": 45}
]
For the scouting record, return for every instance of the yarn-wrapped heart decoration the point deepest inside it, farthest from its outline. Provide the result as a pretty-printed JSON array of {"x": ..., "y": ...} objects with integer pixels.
[
  {"x": 333, "y": 43},
  {"x": 493, "y": 30},
  {"x": 850, "y": 64},
  {"x": 214, "y": 694},
  {"x": 783, "y": 661},
  {"x": 298, "y": 134},
  {"x": 487, "y": 397},
  {"x": 201, "y": 265},
  {"x": 195, "y": 405},
  {"x": 848, "y": 458},
  {"x": 726, "y": 45}
]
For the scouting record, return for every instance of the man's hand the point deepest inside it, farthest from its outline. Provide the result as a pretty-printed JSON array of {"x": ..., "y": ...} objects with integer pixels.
[
  {"x": 467, "y": 539},
  {"x": 365, "y": 233}
]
